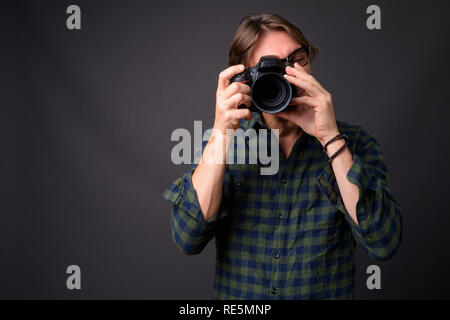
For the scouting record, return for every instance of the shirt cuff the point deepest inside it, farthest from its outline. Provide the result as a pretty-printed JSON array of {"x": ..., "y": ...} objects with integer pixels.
[
  {"x": 182, "y": 194},
  {"x": 357, "y": 175}
]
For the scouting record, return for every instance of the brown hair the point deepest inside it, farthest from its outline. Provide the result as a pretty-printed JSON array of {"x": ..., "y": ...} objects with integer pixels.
[{"x": 252, "y": 27}]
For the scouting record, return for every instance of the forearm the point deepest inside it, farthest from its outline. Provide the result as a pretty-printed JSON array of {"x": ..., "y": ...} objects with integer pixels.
[
  {"x": 356, "y": 183},
  {"x": 207, "y": 178},
  {"x": 341, "y": 165}
]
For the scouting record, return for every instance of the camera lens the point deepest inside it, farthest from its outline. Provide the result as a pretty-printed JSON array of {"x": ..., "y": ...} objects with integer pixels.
[{"x": 271, "y": 92}]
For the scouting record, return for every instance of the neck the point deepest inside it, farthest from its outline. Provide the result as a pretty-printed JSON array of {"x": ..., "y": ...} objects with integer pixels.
[{"x": 289, "y": 132}]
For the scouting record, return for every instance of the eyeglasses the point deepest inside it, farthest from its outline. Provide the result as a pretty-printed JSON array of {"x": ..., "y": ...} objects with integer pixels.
[{"x": 300, "y": 55}]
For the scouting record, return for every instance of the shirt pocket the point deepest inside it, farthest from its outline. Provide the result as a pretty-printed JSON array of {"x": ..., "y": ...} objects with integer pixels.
[
  {"x": 242, "y": 211},
  {"x": 322, "y": 221},
  {"x": 246, "y": 224},
  {"x": 321, "y": 216},
  {"x": 241, "y": 189}
]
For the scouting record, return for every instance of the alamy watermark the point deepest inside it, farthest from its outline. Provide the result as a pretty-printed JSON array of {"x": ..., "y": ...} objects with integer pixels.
[
  {"x": 374, "y": 280},
  {"x": 373, "y": 21},
  {"x": 230, "y": 147},
  {"x": 73, "y": 21},
  {"x": 74, "y": 279}
]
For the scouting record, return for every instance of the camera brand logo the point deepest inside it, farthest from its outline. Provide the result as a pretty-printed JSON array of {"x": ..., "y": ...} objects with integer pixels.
[{"x": 233, "y": 145}]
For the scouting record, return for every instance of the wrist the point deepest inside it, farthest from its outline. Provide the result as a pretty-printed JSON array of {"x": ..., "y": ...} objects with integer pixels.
[
  {"x": 335, "y": 147},
  {"x": 323, "y": 140},
  {"x": 218, "y": 128}
]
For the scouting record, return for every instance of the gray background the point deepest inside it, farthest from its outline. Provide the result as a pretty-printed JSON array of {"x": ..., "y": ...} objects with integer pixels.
[{"x": 86, "y": 118}]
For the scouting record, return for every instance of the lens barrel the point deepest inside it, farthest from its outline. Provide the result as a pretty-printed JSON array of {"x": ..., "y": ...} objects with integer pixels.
[{"x": 271, "y": 92}]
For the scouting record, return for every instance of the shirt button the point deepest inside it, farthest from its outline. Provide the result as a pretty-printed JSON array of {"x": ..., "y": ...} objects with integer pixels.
[
  {"x": 274, "y": 290},
  {"x": 275, "y": 254},
  {"x": 238, "y": 183},
  {"x": 280, "y": 219},
  {"x": 283, "y": 181}
]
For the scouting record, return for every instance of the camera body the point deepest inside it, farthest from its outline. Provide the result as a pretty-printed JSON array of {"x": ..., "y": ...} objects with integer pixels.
[{"x": 270, "y": 91}]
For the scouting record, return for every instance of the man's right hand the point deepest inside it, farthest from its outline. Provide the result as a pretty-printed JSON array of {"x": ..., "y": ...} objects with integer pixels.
[{"x": 229, "y": 97}]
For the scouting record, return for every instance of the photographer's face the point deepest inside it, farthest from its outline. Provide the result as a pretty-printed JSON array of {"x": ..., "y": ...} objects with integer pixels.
[
  {"x": 281, "y": 44},
  {"x": 277, "y": 43}
]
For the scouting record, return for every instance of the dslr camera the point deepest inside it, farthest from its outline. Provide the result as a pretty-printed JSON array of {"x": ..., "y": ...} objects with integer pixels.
[{"x": 270, "y": 91}]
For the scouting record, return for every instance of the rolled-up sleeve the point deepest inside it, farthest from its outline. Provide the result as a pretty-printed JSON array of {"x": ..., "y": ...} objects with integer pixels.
[
  {"x": 379, "y": 228},
  {"x": 190, "y": 231}
]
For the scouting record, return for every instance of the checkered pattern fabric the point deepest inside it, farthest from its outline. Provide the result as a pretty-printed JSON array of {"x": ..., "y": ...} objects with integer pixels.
[{"x": 288, "y": 235}]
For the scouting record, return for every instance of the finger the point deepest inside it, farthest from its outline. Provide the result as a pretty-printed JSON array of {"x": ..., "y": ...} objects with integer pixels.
[
  {"x": 238, "y": 99},
  {"x": 287, "y": 115},
  {"x": 305, "y": 100},
  {"x": 227, "y": 74},
  {"x": 298, "y": 71},
  {"x": 304, "y": 84},
  {"x": 241, "y": 114},
  {"x": 234, "y": 88}
]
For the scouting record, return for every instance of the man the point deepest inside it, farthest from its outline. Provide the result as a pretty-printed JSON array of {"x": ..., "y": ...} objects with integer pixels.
[{"x": 290, "y": 235}]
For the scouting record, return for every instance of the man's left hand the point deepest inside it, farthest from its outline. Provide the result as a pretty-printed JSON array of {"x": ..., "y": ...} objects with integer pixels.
[{"x": 313, "y": 108}]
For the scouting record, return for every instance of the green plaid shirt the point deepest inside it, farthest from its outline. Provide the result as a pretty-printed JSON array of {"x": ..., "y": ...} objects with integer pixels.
[{"x": 288, "y": 235}]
